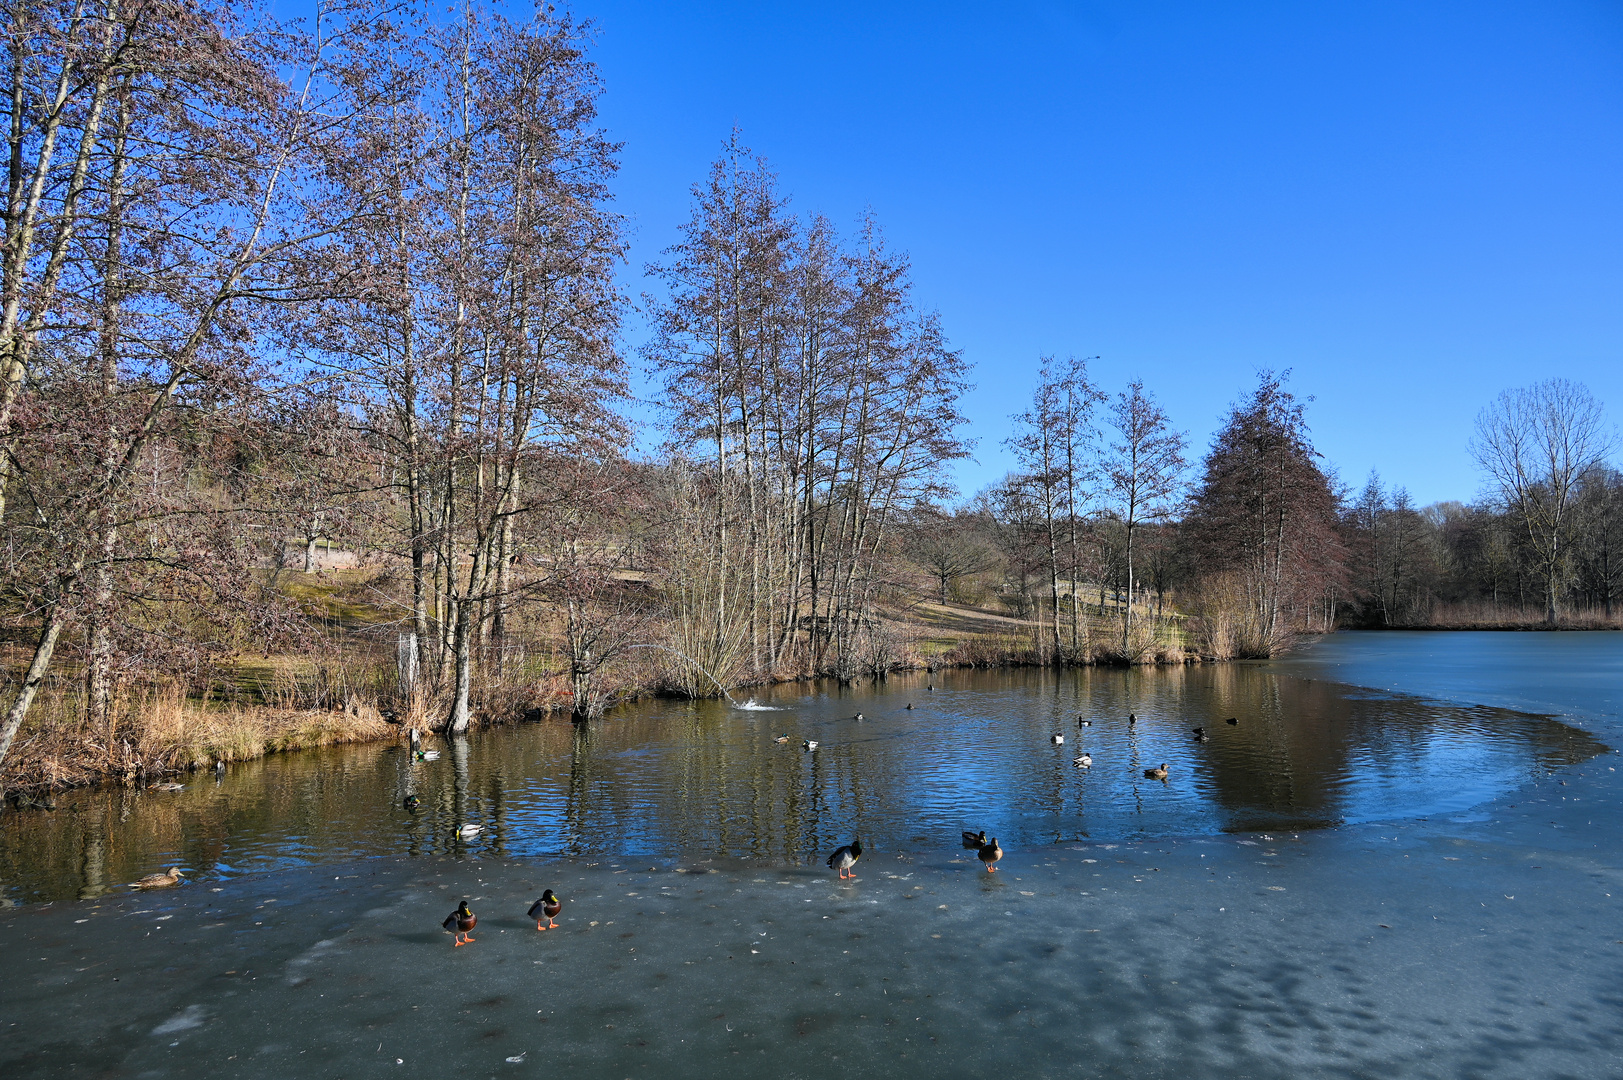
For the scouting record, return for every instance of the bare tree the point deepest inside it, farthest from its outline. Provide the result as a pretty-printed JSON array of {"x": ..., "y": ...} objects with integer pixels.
[
  {"x": 169, "y": 188},
  {"x": 1535, "y": 443},
  {"x": 1054, "y": 443},
  {"x": 1142, "y": 472}
]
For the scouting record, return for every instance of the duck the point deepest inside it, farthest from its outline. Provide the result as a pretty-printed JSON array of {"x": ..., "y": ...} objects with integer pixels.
[
  {"x": 781, "y": 739},
  {"x": 428, "y": 755},
  {"x": 1083, "y": 723},
  {"x": 975, "y": 840},
  {"x": 1197, "y": 731},
  {"x": 1157, "y": 773},
  {"x": 1233, "y": 720},
  {"x": 469, "y": 830},
  {"x": 910, "y": 706},
  {"x": 991, "y": 853},
  {"x": 810, "y": 744},
  {"x": 461, "y": 923},
  {"x": 1056, "y": 738},
  {"x": 219, "y": 767},
  {"x": 410, "y": 802},
  {"x": 1203, "y": 737},
  {"x": 1083, "y": 761},
  {"x": 164, "y": 880},
  {"x": 166, "y": 787},
  {"x": 1132, "y": 718},
  {"x": 858, "y": 716},
  {"x": 844, "y": 858},
  {"x": 549, "y": 906}
]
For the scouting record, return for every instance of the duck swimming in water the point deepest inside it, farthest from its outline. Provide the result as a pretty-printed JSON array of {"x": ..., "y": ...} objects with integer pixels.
[
  {"x": 975, "y": 840},
  {"x": 1233, "y": 720},
  {"x": 1056, "y": 738},
  {"x": 781, "y": 739},
  {"x": 427, "y": 755},
  {"x": 159, "y": 881},
  {"x": 991, "y": 853},
  {"x": 810, "y": 744},
  {"x": 1083, "y": 762},
  {"x": 844, "y": 858},
  {"x": 548, "y": 906},
  {"x": 461, "y": 923},
  {"x": 1157, "y": 773},
  {"x": 469, "y": 830},
  {"x": 409, "y": 802}
]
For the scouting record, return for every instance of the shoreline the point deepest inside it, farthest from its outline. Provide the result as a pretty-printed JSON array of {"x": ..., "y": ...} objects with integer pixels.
[{"x": 29, "y": 783}]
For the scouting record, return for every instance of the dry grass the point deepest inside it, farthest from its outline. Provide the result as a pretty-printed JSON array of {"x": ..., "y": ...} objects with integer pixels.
[
  {"x": 1483, "y": 615},
  {"x": 159, "y": 730}
]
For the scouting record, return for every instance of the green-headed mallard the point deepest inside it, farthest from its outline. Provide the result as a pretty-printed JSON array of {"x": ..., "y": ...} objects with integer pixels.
[
  {"x": 461, "y": 923},
  {"x": 410, "y": 802},
  {"x": 548, "y": 906},
  {"x": 846, "y": 857}
]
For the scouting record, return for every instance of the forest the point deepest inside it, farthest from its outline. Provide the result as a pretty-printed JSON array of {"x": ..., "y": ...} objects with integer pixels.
[{"x": 318, "y": 424}]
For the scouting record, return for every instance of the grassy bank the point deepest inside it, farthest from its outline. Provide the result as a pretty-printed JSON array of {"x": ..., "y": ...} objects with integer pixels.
[{"x": 343, "y": 686}]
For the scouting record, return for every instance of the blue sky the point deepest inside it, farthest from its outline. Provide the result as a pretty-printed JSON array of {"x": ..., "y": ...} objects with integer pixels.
[{"x": 1412, "y": 206}]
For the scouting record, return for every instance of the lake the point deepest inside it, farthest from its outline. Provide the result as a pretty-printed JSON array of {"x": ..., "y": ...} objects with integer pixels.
[{"x": 686, "y": 780}]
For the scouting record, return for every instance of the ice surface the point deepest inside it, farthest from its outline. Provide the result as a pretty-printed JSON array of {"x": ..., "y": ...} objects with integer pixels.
[{"x": 1468, "y": 945}]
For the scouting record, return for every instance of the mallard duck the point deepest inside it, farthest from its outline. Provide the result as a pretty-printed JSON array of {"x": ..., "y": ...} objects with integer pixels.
[
  {"x": 461, "y": 922},
  {"x": 159, "y": 881},
  {"x": 1083, "y": 761},
  {"x": 548, "y": 906},
  {"x": 1233, "y": 720},
  {"x": 428, "y": 755},
  {"x": 166, "y": 787},
  {"x": 975, "y": 840},
  {"x": 781, "y": 739},
  {"x": 1056, "y": 738},
  {"x": 469, "y": 830},
  {"x": 1157, "y": 773},
  {"x": 810, "y": 744},
  {"x": 409, "y": 802},
  {"x": 991, "y": 853},
  {"x": 846, "y": 857}
]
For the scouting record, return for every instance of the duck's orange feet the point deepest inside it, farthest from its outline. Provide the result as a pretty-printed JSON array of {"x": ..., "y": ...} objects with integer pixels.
[
  {"x": 466, "y": 939},
  {"x": 552, "y": 925},
  {"x": 456, "y": 941}
]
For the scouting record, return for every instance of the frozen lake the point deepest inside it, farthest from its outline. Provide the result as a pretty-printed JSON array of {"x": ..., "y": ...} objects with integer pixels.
[{"x": 1464, "y": 926}]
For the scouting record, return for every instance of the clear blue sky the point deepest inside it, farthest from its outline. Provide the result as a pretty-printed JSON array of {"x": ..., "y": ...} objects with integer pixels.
[{"x": 1411, "y": 205}]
